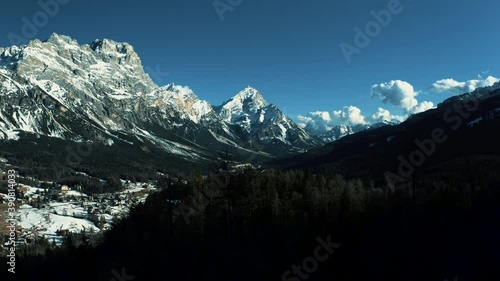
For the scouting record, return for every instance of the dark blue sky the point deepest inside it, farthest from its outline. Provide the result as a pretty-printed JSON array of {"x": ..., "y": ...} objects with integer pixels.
[{"x": 289, "y": 50}]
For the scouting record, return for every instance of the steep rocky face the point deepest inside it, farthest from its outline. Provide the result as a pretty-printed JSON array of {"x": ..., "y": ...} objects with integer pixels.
[
  {"x": 85, "y": 79},
  {"x": 263, "y": 122},
  {"x": 245, "y": 109},
  {"x": 188, "y": 105}
]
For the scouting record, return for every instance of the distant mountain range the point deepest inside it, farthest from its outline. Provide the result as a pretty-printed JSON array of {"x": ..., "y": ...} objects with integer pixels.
[
  {"x": 341, "y": 131},
  {"x": 100, "y": 93}
]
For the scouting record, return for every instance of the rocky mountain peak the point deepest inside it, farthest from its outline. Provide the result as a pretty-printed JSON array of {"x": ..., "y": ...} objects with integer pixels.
[
  {"x": 249, "y": 95},
  {"x": 57, "y": 39}
]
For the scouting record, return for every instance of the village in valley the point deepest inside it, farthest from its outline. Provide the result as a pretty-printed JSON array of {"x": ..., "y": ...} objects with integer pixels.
[{"x": 53, "y": 211}]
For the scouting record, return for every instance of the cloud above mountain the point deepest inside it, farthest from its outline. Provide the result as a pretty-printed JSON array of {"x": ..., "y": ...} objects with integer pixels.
[
  {"x": 421, "y": 107},
  {"x": 383, "y": 115},
  {"x": 317, "y": 122},
  {"x": 455, "y": 87},
  {"x": 396, "y": 92},
  {"x": 401, "y": 94},
  {"x": 350, "y": 115},
  {"x": 320, "y": 122}
]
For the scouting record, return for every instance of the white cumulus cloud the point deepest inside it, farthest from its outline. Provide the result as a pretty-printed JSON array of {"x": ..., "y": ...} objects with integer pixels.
[
  {"x": 396, "y": 92},
  {"x": 402, "y": 94},
  {"x": 455, "y": 87},
  {"x": 319, "y": 122},
  {"x": 349, "y": 115},
  {"x": 423, "y": 106},
  {"x": 316, "y": 122},
  {"x": 384, "y": 115}
]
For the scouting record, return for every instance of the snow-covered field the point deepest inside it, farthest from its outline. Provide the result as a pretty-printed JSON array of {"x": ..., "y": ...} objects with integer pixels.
[
  {"x": 47, "y": 223},
  {"x": 67, "y": 209}
]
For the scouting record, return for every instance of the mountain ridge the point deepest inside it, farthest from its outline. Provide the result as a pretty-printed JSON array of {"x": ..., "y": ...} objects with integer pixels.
[{"x": 102, "y": 89}]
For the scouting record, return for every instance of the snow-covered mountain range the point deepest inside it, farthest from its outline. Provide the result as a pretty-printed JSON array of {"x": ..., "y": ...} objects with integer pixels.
[
  {"x": 99, "y": 92},
  {"x": 263, "y": 122},
  {"x": 341, "y": 131}
]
